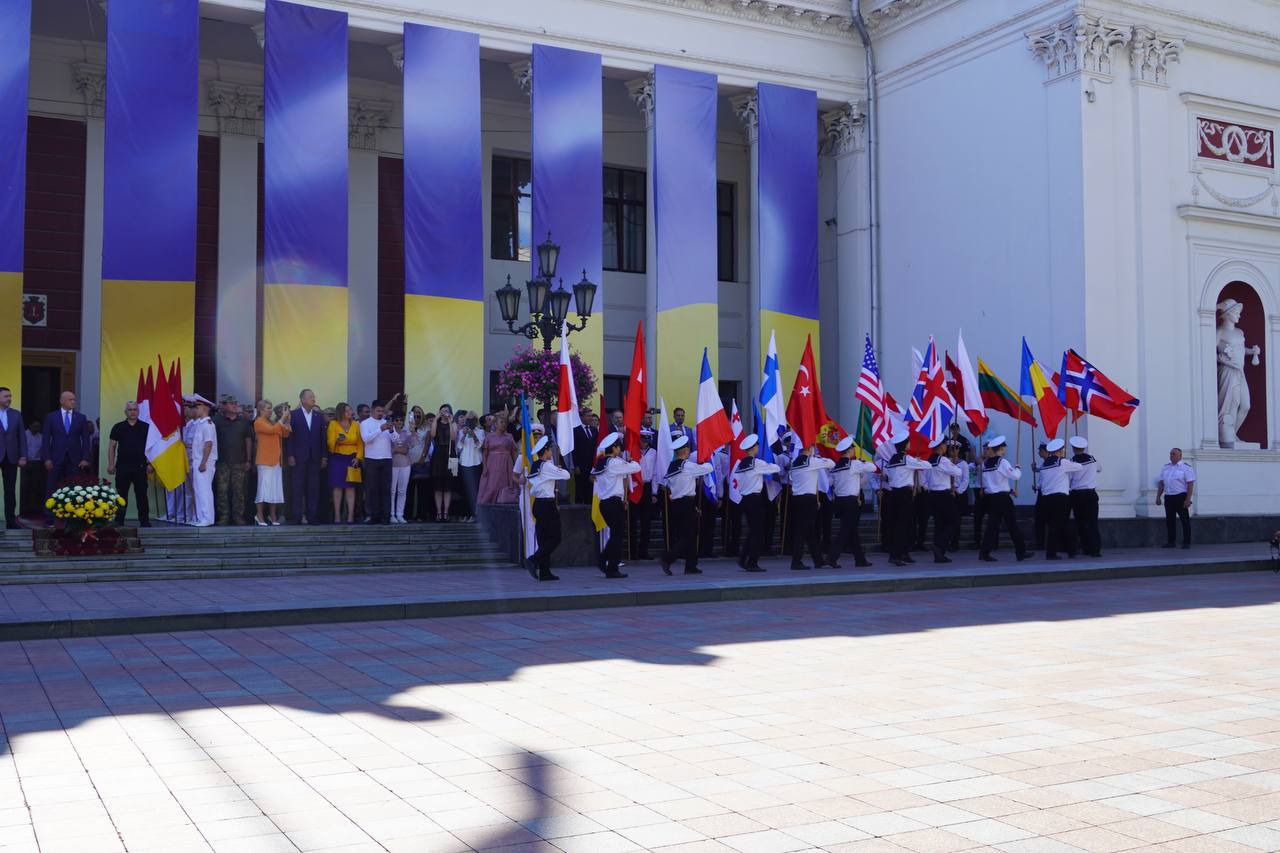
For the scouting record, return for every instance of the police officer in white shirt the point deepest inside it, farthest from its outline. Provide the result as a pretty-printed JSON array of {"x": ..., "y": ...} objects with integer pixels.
[
  {"x": 899, "y": 499},
  {"x": 997, "y": 478},
  {"x": 1055, "y": 488},
  {"x": 750, "y": 473},
  {"x": 1174, "y": 488},
  {"x": 204, "y": 455},
  {"x": 805, "y": 470},
  {"x": 939, "y": 483},
  {"x": 846, "y": 482},
  {"x": 683, "y": 476},
  {"x": 1084, "y": 497},
  {"x": 612, "y": 475},
  {"x": 542, "y": 479}
]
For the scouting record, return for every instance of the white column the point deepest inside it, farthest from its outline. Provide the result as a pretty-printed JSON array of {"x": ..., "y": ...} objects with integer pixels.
[
  {"x": 746, "y": 107},
  {"x": 236, "y": 342},
  {"x": 362, "y": 277},
  {"x": 846, "y": 144},
  {"x": 641, "y": 91},
  {"x": 89, "y": 365}
]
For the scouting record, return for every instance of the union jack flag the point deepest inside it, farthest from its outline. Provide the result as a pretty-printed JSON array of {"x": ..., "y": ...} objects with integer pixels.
[
  {"x": 932, "y": 408},
  {"x": 871, "y": 391}
]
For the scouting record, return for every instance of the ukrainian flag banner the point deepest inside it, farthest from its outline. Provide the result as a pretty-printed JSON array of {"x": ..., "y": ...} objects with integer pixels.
[
  {"x": 788, "y": 198},
  {"x": 443, "y": 218},
  {"x": 304, "y": 215},
  {"x": 568, "y": 176},
  {"x": 684, "y": 189},
  {"x": 149, "y": 191},
  {"x": 15, "y": 65}
]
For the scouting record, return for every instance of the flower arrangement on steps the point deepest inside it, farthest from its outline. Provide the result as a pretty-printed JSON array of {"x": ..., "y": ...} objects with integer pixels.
[{"x": 85, "y": 510}]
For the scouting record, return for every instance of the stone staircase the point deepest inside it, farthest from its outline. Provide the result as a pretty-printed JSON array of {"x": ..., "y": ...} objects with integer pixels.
[{"x": 174, "y": 552}]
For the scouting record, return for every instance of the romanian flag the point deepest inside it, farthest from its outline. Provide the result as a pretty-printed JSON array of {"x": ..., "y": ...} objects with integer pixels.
[
  {"x": 999, "y": 397},
  {"x": 1036, "y": 384},
  {"x": 162, "y": 411}
]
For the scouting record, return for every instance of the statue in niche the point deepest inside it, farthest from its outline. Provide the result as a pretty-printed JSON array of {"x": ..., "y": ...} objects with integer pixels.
[{"x": 1233, "y": 388}]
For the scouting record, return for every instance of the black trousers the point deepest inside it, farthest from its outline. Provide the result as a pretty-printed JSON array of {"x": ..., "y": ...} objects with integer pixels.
[
  {"x": 804, "y": 529},
  {"x": 732, "y": 528},
  {"x": 377, "y": 489},
  {"x": 999, "y": 507},
  {"x": 582, "y": 488},
  {"x": 304, "y": 478},
  {"x": 1057, "y": 512},
  {"x": 9, "y": 473},
  {"x": 942, "y": 507},
  {"x": 785, "y": 509},
  {"x": 1175, "y": 507},
  {"x": 923, "y": 509},
  {"x": 137, "y": 478},
  {"x": 960, "y": 503},
  {"x": 1084, "y": 507},
  {"x": 900, "y": 521},
  {"x": 849, "y": 511},
  {"x": 641, "y": 519},
  {"x": 546, "y": 526},
  {"x": 826, "y": 521},
  {"x": 1041, "y": 521},
  {"x": 979, "y": 515},
  {"x": 756, "y": 509},
  {"x": 615, "y": 515},
  {"x": 683, "y": 513},
  {"x": 706, "y": 524}
]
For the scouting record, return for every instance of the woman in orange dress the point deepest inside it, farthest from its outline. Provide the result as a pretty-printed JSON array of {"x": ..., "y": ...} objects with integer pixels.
[{"x": 270, "y": 480}]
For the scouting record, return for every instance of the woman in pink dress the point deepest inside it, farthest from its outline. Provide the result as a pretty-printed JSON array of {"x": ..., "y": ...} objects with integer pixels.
[{"x": 499, "y": 458}]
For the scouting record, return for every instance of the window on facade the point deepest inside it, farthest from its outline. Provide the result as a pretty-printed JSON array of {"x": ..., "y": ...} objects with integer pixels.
[
  {"x": 726, "y": 231},
  {"x": 729, "y": 393},
  {"x": 615, "y": 393},
  {"x": 624, "y": 220},
  {"x": 511, "y": 217}
]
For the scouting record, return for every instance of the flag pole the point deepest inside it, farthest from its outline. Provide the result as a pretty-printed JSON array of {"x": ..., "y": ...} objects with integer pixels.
[{"x": 1017, "y": 453}]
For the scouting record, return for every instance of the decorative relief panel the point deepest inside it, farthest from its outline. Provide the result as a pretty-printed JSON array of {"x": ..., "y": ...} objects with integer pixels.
[{"x": 1235, "y": 143}]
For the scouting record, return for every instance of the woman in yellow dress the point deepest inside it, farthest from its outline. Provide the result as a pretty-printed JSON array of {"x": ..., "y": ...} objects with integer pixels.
[{"x": 346, "y": 450}]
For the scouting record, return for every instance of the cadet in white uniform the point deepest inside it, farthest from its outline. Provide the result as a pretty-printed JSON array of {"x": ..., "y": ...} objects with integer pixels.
[
  {"x": 204, "y": 458},
  {"x": 546, "y": 515},
  {"x": 750, "y": 473},
  {"x": 939, "y": 483},
  {"x": 846, "y": 482},
  {"x": 1084, "y": 498},
  {"x": 642, "y": 517},
  {"x": 683, "y": 476},
  {"x": 960, "y": 489},
  {"x": 805, "y": 470},
  {"x": 1055, "y": 489},
  {"x": 899, "y": 483},
  {"x": 998, "y": 477},
  {"x": 612, "y": 475}
]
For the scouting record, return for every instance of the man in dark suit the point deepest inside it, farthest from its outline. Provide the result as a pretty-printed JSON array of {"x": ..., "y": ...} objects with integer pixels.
[
  {"x": 67, "y": 436},
  {"x": 585, "y": 438},
  {"x": 307, "y": 455},
  {"x": 13, "y": 455}
]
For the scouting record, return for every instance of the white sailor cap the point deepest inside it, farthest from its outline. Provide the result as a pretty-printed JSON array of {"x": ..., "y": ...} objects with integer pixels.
[
  {"x": 899, "y": 437},
  {"x": 937, "y": 441},
  {"x": 998, "y": 441},
  {"x": 680, "y": 442},
  {"x": 196, "y": 398},
  {"x": 748, "y": 442},
  {"x": 1079, "y": 442},
  {"x": 845, "y": 444},
  {"x": 540, "y": 444},
  {"x": 610, "y": 440},
  {"x": 1055, "y": 445},
  {"x": 646, "y": 433}
]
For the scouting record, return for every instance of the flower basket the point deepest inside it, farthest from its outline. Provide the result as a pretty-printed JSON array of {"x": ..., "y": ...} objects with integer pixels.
[
  {"x": 85, "y": 510},
  {"x": 535, "y": 373},
  {"x": 104, "y": 541}
]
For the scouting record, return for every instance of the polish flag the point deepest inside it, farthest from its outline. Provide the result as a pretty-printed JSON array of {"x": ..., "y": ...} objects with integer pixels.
[
  {"x": 567, "y": 416},
  {"x": 713, "y": 430}
]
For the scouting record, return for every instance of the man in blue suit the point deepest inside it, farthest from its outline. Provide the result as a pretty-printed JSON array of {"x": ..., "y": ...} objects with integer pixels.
[
  {"x": 306, "y": 453},
  {"x": 66, "y": 443},
  {"x": 13, "y": 454}
]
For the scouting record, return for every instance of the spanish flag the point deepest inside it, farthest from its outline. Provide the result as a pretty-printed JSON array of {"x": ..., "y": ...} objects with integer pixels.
[{"x": 1036, "y": 384}]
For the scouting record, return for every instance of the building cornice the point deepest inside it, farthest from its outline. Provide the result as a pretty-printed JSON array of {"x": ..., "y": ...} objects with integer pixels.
[
  {"x": 817, "y": 16},
  {"x": 891, "y": 15}
]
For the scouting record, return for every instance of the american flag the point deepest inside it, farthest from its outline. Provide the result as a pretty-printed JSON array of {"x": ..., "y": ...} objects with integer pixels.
[{"x": 871, "y": 392}]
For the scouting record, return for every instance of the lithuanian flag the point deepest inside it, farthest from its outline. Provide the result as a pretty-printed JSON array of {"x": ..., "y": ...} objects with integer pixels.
[
  {"x": 999, "y": 397},
  {"x": 1036, "y": 384}
]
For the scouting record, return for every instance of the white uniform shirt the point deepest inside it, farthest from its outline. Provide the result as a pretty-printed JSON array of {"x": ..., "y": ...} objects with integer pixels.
[
  {"x": 941, "y": 477},
  {"x": 377, "y": 441},
  {"x": 648, "y": 460},
  {"x": 805, "y": 472},
  {"x": 750, "y": 474},
  {"x": 900, "y": 470},
  {"x": 998, "y": 475},
  {"x": 201, "y": 431},
  {"x": 543, "y": 476},
  {"x": 1055, "y": 475},
  {"x": 846, "y": 477},
  {"x": 682, "y": 477},
  {"x": 612, "y": 480},
  {"x": 961, "y": 479},
  {"x": 1176, "y": 477},
  {"x": 1087, "y": 476}
]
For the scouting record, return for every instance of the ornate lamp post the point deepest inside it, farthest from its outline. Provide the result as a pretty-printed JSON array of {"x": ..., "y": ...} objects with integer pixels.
[{"x": 548, "y": 307}]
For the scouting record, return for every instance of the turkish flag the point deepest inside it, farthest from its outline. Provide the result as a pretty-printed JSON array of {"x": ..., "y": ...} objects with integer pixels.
[
  {"x": 806, "y": 413},
  {"x": 633, "y": 410}
]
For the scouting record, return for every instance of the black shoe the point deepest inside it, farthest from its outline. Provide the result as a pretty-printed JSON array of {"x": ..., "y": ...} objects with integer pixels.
[
  {"x": 615, "y": 574},
  {"x": 666, "y": 566},
  {"x": 11, "y": 525},
  {"x": 1186, "y": 545},
  {"x": 898, "y": 563},
  {"x": 742, "y": 564},
  {"x": 547, "y": 576},
  {"x": 833, "y": 564},
  {"x": 752, "y": 568},
  {"x": 987, "y": 558},
  {"x": 1052, "y": 557},
  {"x": 908, "y": 558},
  {"x": 144, "y": 524},
  {"x": 1022, "y": 557},
  {"x": 1169, "y": 545},
  {"x": 531, "y": 568},
  {"x": 942, "y": 558},
  {"x": 694, "y": 571},
  {"x": 863, "y": 563},
  {"x": 799, "y": 567}
]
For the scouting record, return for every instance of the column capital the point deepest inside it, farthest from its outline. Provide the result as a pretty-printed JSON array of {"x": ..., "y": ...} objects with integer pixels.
[
  {"x": 523, "y": 73},
  {"x": 397, "y": 55},
  {"x": 844, "y": 129},
  {"x": 1078, "y": 43},
  {"x": 91, "y": 82},
  {"x": 366, "y": 117},
  {"x": 747, "y": 108},
  {"x": 237, "y": 107},
  {"x": 641, "y": 91},
  {"x": 1150, "y": 54}
]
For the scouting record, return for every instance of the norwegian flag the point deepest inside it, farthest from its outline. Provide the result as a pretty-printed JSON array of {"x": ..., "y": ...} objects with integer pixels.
[
  {"x": 1084, "y": 388},
  {"x": 932, "y": 408},
  {"x": 871, "y": 391}
]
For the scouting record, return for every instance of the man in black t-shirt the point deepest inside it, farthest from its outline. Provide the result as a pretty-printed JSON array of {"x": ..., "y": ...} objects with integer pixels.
[{"x": 127, "y": 459}]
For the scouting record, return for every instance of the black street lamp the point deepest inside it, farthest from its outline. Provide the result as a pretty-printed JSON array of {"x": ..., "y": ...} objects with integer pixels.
[{"x": 548, "y": 307}]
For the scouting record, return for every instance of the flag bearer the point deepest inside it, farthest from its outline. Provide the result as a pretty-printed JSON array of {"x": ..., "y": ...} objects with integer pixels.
[
  {"x": 899, "y": 503},
  {"x": 998, "y": 477},
  {"x": 1084, "y": 497},
  {"x": 846, "y": 481},
  {"x": 939, "y": 483},
  {"x": 805, "y": 470},
  {"x": 612, "y": 474},
  {"x": 960, "y": 485},
  {"x": 642, "y": 514},
  {"x": 750, "y": 474},
  {"x": 543, "y": 476},
  {"x": 683, "y": 476},
  {"x": 1055, "y": 488}
]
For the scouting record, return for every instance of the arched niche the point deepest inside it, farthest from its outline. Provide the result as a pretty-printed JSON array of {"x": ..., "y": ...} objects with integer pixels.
[{"x": 1253, "y": 324}]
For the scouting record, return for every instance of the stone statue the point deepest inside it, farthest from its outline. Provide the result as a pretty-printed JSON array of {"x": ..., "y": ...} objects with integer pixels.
[{"x": 1233, "y": 389}]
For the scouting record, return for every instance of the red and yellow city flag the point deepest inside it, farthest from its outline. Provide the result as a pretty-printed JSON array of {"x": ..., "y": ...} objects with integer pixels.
[
  {"x": 149, "y": 191},
  {"x": 15, "y": 62}
]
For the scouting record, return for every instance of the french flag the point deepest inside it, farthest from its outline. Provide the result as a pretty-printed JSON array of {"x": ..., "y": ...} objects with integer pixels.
[{"x": 713, "y": 430}]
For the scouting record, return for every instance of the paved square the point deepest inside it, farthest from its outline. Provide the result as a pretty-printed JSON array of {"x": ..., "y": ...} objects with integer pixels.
[{"x": 1098, "y": 716}]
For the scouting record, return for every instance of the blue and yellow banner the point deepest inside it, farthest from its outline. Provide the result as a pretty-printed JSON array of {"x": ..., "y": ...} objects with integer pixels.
[
  {"x": 443, "y": 219},
  {"x": 684, "y": 190},
  {"x": 304, "y": 217},
  {"x": 568, "y": 176},
  {"x": 788, "y": 198},
  {"x": 149, "y": 192},
  {"x": 15, "y": 70}
]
